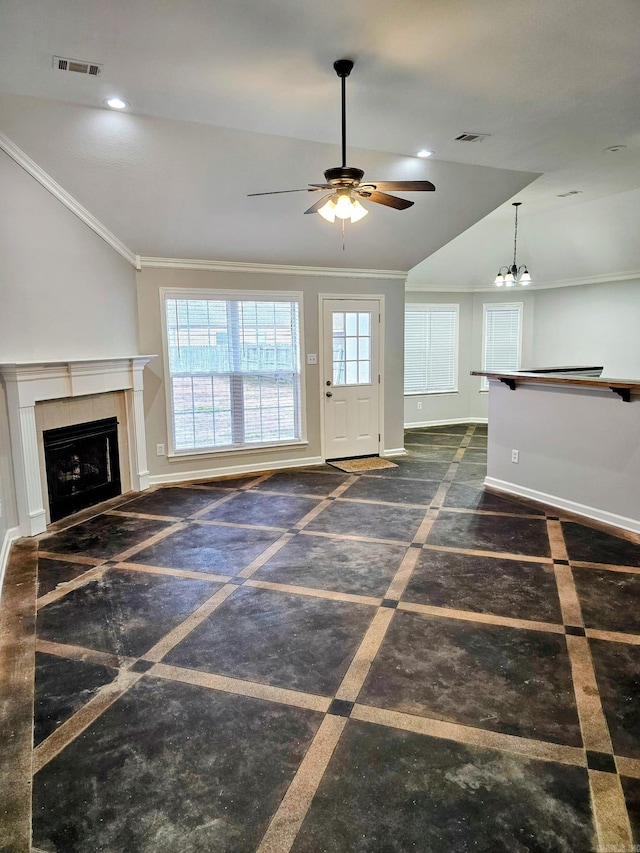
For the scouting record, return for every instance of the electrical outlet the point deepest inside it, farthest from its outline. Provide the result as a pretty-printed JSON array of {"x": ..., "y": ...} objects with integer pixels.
[
  {"x": 159, "y": 449},
  {"x": 312, "y": 358},
  {"x": 419, "y": 405},
  {"x": 515, "y": 455}
]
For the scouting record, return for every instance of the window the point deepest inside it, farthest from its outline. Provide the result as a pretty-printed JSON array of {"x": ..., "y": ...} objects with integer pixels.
[
  {"x": 431, "y": 349},
  {"x": 501, "y": 338},
  {"x": 234, "y": 370}
]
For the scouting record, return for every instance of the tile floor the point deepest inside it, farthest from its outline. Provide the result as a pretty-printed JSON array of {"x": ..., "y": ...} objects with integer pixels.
[{"x": 315, "y": 661}]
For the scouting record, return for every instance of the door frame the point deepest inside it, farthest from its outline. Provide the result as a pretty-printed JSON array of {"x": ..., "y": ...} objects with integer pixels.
[{"x": 363, "y": 297}]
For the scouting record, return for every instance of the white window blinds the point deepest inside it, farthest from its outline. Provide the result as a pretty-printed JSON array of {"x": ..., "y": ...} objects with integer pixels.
[
  {"x": 502, "y": 337},
  {"x": 430, "y": 349},
  {"x": 234, "y": 371}
]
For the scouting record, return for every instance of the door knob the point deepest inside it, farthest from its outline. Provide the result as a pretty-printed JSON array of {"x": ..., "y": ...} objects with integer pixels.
[{"x": 329, "y": 394}]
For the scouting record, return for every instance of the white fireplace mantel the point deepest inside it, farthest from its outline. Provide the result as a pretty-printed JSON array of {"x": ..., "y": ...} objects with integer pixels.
[{"x": 31, "y": 383}]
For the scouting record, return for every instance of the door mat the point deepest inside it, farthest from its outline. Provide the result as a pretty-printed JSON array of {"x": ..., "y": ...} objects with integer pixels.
[{"x": 364, "y": 463}]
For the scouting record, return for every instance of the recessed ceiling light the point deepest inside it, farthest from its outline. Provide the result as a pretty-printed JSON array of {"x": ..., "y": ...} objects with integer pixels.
[
  {"x": 116, "y": 103},
  {"x": 614, "y": 148},
  {"x": 424, "y": 152}
]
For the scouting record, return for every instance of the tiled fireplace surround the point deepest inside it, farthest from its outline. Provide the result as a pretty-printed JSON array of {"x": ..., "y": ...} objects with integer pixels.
[{"x": 71, "y": 392}]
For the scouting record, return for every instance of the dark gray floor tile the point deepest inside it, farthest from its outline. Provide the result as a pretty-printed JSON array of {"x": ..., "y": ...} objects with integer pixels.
[
  {"x": 292, "y": 641},
  {"x": 207, "y": 548},
  {"x": 609, "y": 600},
  {"x": 432, "y": 439},
  {"x": 452, "y": 429},
  {"x": 475, "y": 454},
  {"x": 392, "y": 491},
  {"x": 631, "y": 788},
  {"x": 394, "y": 791},
  {"x": 481, "y": 429},
  {"x": 595, "y": 546},
  {"x": 471, "y": 473},
  {"x": 490, "y": 533},
  {"x": 464, "y": 496},
  {"x": 617, "y": 668},
  {"x": 124, "y": 613},
  {"x": 485, "y": 585},
  {"x": 302, "y": 483},
  {"x": 361, "y": 519},
  {"x": 413, "y": 467},
  {"x": 478, "y": 441},
  {"x": 171, "y": 767},
  {"x": 363, "y": 568},
  {"x": 504, "y": 679},
  {"x": 432, "y": 454},
  {"x": 102, "y": 537},
  {"x": 262, "y": 509},
  {"x": 180, "y": 502},
  {"x": 54, "y": 572},
  {"x": 62, "y": 687}
]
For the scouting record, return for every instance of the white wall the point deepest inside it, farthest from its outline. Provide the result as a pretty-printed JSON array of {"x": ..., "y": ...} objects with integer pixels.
[
  {"x": 579, "y": 449},
  {"x": 469, "y": 403},
  {"x": 149, "y": 283},
  {"x": 64, "y": 292},
  {"x": 595, "y": 324}
]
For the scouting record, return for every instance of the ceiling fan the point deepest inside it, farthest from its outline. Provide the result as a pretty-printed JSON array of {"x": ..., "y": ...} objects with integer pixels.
[{"x": 346, "y": 183}]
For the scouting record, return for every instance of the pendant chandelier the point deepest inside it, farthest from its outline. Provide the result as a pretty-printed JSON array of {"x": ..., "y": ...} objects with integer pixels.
[{"x": 508, "y": 276}]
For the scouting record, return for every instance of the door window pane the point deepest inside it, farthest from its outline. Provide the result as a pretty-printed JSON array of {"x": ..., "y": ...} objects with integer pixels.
[{"x": 351, "y": 353}]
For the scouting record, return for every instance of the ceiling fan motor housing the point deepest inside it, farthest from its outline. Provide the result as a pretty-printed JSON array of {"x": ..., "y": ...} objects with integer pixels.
[{"x": 343, "y": 176}]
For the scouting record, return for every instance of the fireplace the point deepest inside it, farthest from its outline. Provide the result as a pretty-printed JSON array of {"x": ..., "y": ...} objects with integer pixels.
[
  {"x": 43, "y": 396},
  {"x": 82, "y": 465}
]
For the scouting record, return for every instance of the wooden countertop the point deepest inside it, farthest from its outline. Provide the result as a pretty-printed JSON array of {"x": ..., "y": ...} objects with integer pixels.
[{"x": 623, "y": 387}]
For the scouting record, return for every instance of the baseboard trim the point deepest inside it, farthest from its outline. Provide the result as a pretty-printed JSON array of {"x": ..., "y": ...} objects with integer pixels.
[
  {"x": 446, "y": 422},
  {"x": 10, "y": 536},
  {"x": 232, "y": 470},
  {"x": 592, "y": 512},
  {"x": 393, "y": 451}
]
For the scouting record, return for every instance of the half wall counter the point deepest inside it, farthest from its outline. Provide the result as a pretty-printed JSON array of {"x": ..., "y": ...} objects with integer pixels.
[{"x": 567, "y": 439}]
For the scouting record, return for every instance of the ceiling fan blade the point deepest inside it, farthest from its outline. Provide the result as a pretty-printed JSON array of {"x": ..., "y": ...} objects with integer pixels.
[
  {"x": 387, "y": 200},
  {"x": 279, "y": 192},
  {"x": 316, "y": 207},
  {"x": 323, "y": 186},
  {"x": 402, "y": 186}
]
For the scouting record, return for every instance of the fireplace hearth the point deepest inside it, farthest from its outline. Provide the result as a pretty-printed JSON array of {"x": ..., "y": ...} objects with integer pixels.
[{"x": 82, "y": 465}]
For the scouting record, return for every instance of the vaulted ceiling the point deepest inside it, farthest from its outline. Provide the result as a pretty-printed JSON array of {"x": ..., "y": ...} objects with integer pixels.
[{"x": 232, "y": 96}]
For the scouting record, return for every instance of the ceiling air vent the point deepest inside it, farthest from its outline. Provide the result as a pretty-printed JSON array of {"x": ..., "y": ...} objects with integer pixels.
[
  {"x": 571, "y": 192},
  {"x": 63, "y": 63},
  {"x": 472, "y": 137}
]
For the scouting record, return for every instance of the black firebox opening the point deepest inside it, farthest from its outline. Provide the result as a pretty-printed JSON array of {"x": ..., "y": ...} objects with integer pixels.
[{"x": 83, "y": 467}]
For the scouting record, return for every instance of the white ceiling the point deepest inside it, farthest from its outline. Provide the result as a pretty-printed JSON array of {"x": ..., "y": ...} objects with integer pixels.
[{"x": 554, "y": 83}]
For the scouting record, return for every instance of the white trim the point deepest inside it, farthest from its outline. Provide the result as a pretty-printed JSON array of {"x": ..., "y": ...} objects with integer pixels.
[
  {"x": 269, "y": 269},
  {"x": 604, "y": 278},
  {"x": 561, "y": 503},
  {"x": 45, "y": 180},
  {"x": 10, "y": 537},
  {"x": 445, "y": 422},
  {"x": 224, "y": 295},
  {"x": 231, "y": 470},
  {"x": 28, "y": 383},
  {"x": 394, "y": 451}
]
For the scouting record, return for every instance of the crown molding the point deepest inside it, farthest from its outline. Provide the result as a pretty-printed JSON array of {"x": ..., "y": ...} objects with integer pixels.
[
  {"x": 268, "y": 269},
  {"x": 606, "y": 278},
  {"x": 45, "y": 180}
]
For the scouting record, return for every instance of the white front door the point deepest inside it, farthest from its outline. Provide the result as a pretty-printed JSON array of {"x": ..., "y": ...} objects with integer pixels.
[{"x": 350, "y": 377}]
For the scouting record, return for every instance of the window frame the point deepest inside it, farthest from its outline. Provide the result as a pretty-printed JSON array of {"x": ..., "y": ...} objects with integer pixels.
[
  {"x": 425, "y": 307},
  {"x": 484, "y": 383},
  {"x": 205, "y": 294}
]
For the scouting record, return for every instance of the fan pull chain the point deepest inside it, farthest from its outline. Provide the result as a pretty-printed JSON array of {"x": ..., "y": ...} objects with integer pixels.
[{"x": 343, "y": 221}]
